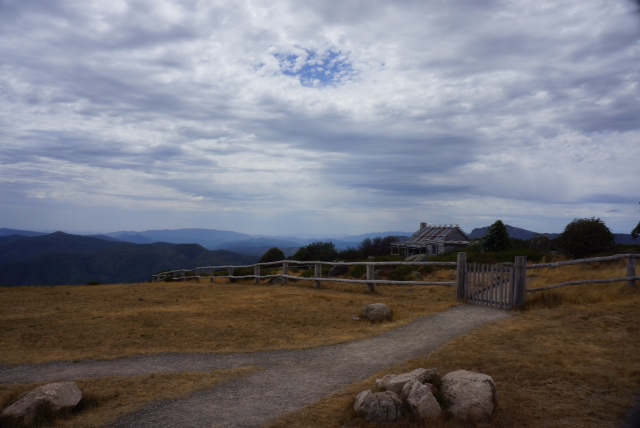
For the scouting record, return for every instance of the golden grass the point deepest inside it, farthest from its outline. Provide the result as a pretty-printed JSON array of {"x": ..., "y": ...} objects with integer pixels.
[
  {"x": 570, "y": 359},
  {"x": 106, "y": 399},
  {"x": 39, "y": 324}
]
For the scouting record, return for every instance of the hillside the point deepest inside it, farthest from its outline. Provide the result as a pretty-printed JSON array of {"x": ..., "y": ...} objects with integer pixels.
[{"x": 63, "y": 259}]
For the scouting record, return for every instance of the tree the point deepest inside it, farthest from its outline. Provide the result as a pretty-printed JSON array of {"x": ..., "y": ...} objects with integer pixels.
[
  {"x": 497, "y": 238},
  {"x": 377, "y": 246},
  {"x": 636, "y": 231},
  {"x": 540, "y": 243},
  {"x": 586, "y": 236},
  {"x": 272, "y": 255},
  {"x": 317, "y": 251}
]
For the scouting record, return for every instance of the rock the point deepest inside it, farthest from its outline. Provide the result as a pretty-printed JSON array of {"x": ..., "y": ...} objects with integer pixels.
[
  {"x": 421, "y": 401},
  {"x": 276, "y": 280},
  {"x": 380, "y": 408},
  {"x": 354, "y": 318},
  {"x": 337, "y": 270},
  {"x": 395, "y": 383},
  {"x": 377, "y": 312},
  {"x": 469, "y": 396},
  {"x": 417, "y": 258},
  {"x": 53, "y": 398}
]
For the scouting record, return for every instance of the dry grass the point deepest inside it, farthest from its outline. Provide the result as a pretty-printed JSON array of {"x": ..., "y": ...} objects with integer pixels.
[
  {"x": 39, "y": 324},
  {"x": 569, "y": 360},
  {"x": 106, "y": 399}
]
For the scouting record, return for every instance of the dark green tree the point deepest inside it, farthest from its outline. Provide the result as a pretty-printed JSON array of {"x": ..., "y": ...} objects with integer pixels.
[
  {"x": 350, "y": 254},
  {"x": 586, "y": 236},
  {"x": 540, "y": 243},
  {"x": 317, "y": 251},
  {"x": 636, "y": 231},
  {"x": 497, "y": 238},
  {"x": 377, "y": 246},
  {"x": 272, "y": 255}
]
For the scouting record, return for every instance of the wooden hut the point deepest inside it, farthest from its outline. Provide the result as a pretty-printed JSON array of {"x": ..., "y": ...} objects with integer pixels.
[{"x": 432, "y": 240}]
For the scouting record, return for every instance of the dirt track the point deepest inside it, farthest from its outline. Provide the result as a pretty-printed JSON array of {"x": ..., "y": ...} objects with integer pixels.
[{"x": 290, "y": 379}]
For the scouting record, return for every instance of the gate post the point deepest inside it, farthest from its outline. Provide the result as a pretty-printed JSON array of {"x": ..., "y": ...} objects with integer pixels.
[
  {"x": 461, "y": 275},
  {"x": 519, "y": 281}
]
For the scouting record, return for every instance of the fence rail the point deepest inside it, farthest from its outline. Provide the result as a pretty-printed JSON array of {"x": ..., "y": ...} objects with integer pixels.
[
  {"x": 630, "y": 278},
  {"x": 370, "y": 281},
  {"x": 212, "y": 273}
]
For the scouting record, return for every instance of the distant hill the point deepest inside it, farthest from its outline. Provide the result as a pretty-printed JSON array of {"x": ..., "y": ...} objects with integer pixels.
[
  {"x": 514, "y": 232},
  {"x": 63, "y": 259},
  {"x": 209, "y": 238},
  {"x": 7, "y": 232}
]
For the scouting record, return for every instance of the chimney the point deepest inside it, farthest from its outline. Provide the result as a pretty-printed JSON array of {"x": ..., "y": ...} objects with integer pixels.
[{"x": 423, "y": 225}]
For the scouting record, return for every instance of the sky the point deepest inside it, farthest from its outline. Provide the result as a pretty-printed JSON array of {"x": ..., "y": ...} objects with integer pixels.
[{"x": 328, "y": 117}]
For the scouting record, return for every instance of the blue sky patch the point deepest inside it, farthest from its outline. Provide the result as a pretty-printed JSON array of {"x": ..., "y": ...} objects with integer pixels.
[{"x": 315, "y": 70}]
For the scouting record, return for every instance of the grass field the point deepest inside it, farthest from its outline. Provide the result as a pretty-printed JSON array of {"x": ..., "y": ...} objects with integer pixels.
[{"x": 570, "y": 359}]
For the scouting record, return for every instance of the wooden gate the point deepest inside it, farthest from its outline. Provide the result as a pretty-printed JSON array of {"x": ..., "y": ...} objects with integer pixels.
[{"x": 500, "y": 286}]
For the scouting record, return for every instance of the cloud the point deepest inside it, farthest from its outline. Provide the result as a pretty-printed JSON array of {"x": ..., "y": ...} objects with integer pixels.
[{"x": 334, "y": 116}]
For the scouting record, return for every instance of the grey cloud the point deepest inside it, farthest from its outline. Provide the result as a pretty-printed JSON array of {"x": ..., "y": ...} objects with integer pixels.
[{"x": 474, "y": 87}]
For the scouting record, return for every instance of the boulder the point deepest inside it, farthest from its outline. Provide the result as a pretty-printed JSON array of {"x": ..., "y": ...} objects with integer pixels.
[
  {"x": 417, "y": 258},
  {"x": 379, "y": 408},
  {"x": 53, "y": 398},
  {"x": 395, "y": 383},
  {"x": 469, "y": 396},
  {"x": 377, "y": 312},
  {"x": 421, "y": 401}
]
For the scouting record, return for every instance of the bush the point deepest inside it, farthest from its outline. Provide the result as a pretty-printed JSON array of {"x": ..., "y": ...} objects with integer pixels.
[
  {"x": 358, "y": 271},
  {"x": 317, "y": 251},
  {"x": 586, "y": 236},
  {"x": 272, "y": 255}
]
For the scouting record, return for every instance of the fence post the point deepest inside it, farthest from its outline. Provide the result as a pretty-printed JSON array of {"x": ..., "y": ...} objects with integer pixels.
[
  {"x": 256, "y": 272},
  {"x": 519, "y": 281},
  {"x": 317, "y": 273},
  {"x": 461, "y": 275},
  {"x": 197, "y": 274},
  {"x": 285, "y": 271},
  {"x": 371, "y": 275},
  {"x": 183, "y": 276},
  {"x": 631, "y": 271}
]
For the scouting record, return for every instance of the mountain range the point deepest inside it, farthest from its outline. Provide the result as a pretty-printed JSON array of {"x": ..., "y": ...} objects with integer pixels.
[{"x": 35, "y": 258}]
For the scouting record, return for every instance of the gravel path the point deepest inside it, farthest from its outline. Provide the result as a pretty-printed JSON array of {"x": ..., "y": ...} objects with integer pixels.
[{"x": 290, "y": 379}]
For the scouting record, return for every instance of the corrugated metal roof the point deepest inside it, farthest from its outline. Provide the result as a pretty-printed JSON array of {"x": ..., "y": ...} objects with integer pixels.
[{"x": 436, "y": 233}]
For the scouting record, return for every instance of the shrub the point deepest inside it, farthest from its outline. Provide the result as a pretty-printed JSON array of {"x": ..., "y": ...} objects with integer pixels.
[
  {"x": 272, "y": 255},
  {"x": 317, "y": 251},
  {"x": 586, "y": 236}
]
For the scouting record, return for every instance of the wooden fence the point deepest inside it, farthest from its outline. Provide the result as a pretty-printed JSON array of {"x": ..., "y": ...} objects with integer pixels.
[
  {"x": 211, "y": 273},
  {"x": 476, "y": 284},
  {"x": 630, "y": 279}
]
